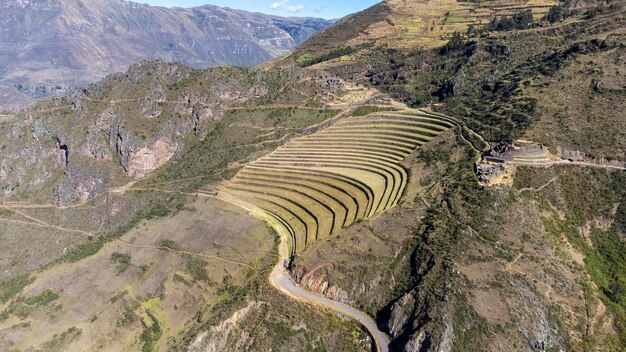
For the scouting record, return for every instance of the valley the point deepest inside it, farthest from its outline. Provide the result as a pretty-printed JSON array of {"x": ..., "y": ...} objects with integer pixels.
[{"x": 421, "y": 176}]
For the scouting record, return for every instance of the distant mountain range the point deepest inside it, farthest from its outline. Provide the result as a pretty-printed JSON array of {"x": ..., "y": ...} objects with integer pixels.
[
  {"x": 10, "y": 99},
  {"x": 62, "y": 44}
]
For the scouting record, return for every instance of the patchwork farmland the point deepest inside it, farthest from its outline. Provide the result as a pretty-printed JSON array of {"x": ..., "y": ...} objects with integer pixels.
[{"x": 318, "y": 184}]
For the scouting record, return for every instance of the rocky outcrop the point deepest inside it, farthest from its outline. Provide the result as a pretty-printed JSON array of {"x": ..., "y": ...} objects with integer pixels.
[
  {"x": 219, "y": 337},
  {"x": 69, "y": 150},
  {"x": 580, "y": 156},
  {"x": 318, "y": 280},
  {"x": 150, "y": 158},
  {"x": 12, "y": 100}
]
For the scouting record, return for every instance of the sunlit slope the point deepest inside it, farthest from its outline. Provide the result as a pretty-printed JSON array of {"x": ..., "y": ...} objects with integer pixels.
[
  {"x": 318, "y": 184},
  {"x": 404, "y": 24}
]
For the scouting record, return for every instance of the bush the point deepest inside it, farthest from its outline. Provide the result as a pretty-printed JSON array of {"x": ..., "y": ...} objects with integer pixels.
[
  {"x": 520, "y": 20},
  {"x": 14, "y": 286},
  {"x": 556, "y": 13},
  {"x": 196, "y": 268},
  {"x": 151, "y": 335},
  {"x": 44, "y": 298},
  {"x": 122, "y": 261},
  {"x": 456, "y": 43}
]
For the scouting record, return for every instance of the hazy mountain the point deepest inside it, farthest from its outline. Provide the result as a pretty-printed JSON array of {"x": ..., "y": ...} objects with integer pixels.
[
  {"x": 11, "y": 99},
  {"x": 61, "y": 43}
]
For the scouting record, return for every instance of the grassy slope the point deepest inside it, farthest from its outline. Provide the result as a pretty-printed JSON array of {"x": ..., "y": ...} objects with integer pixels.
[{"x": 234, "y": 139}]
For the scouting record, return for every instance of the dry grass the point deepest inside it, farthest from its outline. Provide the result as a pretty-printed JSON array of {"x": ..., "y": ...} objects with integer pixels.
[{"x": 221, "y": 242}]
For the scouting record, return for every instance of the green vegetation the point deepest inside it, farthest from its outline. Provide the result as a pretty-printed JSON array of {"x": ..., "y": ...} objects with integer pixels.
[
  {"x": 60, "y": 342},
  {"x": 12, "y": 287},
  {"x": 44, "y": 298},
  {"x": 307, "y": 60},
  {"x": 118, "y": 296},
  {"x": 128, "y": 317},
  {"x": 456, "y": 43},
  {"x": 472, "y": 331},
  {"x": 23, "y": 307},
  {"x": 522, "y": 19},
  {"x": 85, "y": 250},
  {"x": 556, "y": 14},
  {"x": 93, "y": 246},
  {"x": 304, "y": 58},
  {"x": 370, "y": 109},
  {"x": 121, "y": 260},
  {"x": 196, "y": 268},
  {"x": 209, "y": 160},
  {"x": 589, "y": 194},
  {"x": 435, "y": 155},
  {"x": 169, "y": 244},
  {"x": 151, "y": 334}
]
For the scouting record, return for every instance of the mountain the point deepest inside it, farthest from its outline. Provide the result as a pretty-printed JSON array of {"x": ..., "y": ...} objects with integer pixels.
[
  {"x": 533, "y": 259},
  {"x": 11, "y": 100},
  {"x": 455, "y": 170},
  {"x": 61, "y": 44},
  {"x": 404, "y": 24}
]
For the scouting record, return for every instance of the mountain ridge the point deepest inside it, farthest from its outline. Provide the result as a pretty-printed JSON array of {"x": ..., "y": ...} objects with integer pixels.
[{"x": 67, "y": 44}]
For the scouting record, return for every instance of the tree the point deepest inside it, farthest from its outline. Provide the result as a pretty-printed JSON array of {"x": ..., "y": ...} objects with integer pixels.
[
  {"x": 454, "y": 44},
  {"x": 556, "y": 13}
]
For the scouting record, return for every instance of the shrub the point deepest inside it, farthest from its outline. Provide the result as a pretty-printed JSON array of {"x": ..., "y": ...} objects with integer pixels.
[
  {"x": 520, "y": 20},
  {"x": 456, "y": 43},
  {"x": 196, "y": 268},
  {"x": 122, "y": 261},
  {"x": 44, "y": 298},
  {"x": 556, "y": 13},
  {"x": 14, "y": 286}
]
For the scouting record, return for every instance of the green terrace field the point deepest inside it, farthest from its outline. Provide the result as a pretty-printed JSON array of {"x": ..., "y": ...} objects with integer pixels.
[{"x": 318, "y": 184}]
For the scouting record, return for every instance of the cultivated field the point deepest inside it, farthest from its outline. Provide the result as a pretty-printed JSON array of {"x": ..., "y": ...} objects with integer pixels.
[{"x": 318, "y": 184}]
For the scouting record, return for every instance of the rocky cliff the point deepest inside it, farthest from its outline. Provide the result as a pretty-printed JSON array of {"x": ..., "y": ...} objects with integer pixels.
[{"x": 71, "y": 149}]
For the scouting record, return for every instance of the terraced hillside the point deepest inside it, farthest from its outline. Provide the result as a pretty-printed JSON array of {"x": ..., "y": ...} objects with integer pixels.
[{"x": 318, "y": 184}]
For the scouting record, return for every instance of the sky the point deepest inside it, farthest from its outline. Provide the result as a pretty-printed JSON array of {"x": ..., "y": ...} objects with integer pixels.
[{"x": 328, "y": 9}]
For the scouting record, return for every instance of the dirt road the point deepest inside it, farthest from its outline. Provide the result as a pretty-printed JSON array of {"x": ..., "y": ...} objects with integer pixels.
[{"x": 282, "y": 281}]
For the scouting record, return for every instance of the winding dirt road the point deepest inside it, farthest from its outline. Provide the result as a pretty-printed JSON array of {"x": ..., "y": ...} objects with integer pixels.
[{"x": 282, "y": 281}]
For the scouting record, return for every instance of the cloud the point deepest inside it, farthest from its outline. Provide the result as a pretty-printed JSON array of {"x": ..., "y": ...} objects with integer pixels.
[
  {"x": 284, "y": 5},
  {"x": 277, "y": 5}
]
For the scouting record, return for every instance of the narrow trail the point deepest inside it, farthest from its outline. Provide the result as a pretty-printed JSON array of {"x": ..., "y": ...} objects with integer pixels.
[
  {"x": 540, "y": 188},
  {"x": 282, "y": 281},
  {"x": 271, "y": 106},
  {"x": 40, "y": 223},
  {"x": 182, "y": 252},
  {"x": 567, "y": 162}
]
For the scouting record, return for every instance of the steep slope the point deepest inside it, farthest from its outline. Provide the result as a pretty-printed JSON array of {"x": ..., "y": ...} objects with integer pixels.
[
  {"x": 533, "y": 265},
  {"x": 96, "y": 183},
  {"x": 68, "y": 43},
  {"x": 536, "y": 263},
  {"x": 402, "y": 24}
]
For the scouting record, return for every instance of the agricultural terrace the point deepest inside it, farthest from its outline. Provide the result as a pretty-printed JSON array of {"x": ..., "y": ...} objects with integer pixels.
[{"x": 318, "y": 184}]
